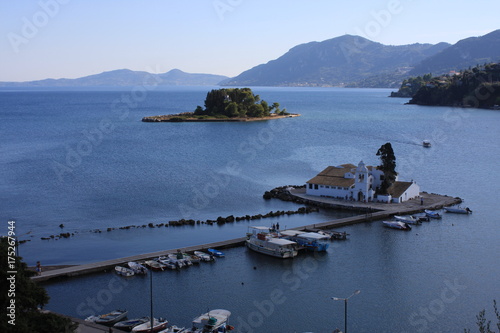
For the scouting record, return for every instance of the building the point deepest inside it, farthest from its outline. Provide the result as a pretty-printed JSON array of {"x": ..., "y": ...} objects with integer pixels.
[{"x": 360, "y": 183}]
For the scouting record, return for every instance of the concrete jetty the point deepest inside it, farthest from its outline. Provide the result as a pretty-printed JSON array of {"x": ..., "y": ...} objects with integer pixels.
[{"x": 370, "y": 212}]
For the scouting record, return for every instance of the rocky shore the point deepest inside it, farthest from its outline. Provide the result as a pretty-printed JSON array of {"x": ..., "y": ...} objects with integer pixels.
[{"x": 190, "y": 117}]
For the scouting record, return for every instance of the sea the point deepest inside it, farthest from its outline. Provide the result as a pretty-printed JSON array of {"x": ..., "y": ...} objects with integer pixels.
[{"x": 80, "y": 161}]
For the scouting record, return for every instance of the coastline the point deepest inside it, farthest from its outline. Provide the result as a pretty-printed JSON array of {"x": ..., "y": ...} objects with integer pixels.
[{"x": 183, "y": 117}]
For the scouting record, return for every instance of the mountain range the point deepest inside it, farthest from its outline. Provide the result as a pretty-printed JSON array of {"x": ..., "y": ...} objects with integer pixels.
[
  {"x": 358, "y": 62},
  {"x": 346, "y": 61},
  {"x": 127, "y": 77}
]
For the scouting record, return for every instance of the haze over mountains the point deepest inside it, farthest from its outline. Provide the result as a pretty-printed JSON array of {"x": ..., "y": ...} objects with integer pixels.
[{"x": 351, "y": 61}]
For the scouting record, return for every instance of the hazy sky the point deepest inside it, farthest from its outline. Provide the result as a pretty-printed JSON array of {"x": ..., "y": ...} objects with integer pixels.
[{"x": 71, "y": 38}]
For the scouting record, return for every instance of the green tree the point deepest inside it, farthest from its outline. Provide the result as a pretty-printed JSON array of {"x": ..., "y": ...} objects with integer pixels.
[
  {"x": 27, "y": 296},
  {"x": 388, "y": 166}
]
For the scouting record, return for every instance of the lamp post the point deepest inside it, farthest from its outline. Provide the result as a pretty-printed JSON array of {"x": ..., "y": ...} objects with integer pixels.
[{"x": 345, "y": 307}]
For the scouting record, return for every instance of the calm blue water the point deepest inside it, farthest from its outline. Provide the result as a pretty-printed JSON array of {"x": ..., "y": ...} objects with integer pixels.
[{"x": 84, "y": 159}]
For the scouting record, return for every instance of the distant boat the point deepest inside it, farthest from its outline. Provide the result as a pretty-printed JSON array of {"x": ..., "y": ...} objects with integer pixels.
[
  {"x": 426, "y": 143},
  {"x": 407, "y": 219},
  {"x": 458, "y": 210},
  {"x": 204, "y": 256},
  {"x": 397, "y": 225},
  {"x": 109, "y": 319},
  {"x": 312, "y": 241},
  {"x": 137, "y": 268},
  {"x": 263, "y": 241},
  {"x": 128, "y": 325},
  {"x": 158, "y": 325},
  {"x": 212, "y": 321},
  {"x": 432, "y": 214},
  {"x": 124, "y": 271},
  {"x": 216, "y": 253},
  {"x": 155, "y": 265}
]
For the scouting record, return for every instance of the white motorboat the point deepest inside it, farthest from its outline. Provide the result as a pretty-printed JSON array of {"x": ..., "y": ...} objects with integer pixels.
[
  {"x": 155, "y": 265},
  {"x": 432, "y": 214},
  {"x": 109, "y": 319},
  {"x": 158, "y": 325},
  {"x": 204, "y": 256},
  {"x": 169, "y": 263},
  {"x": 458, "y": 210},
  {"x": 137, "y": 268},
  {"x": 397, "y": 225},
  {"x": 212, "y": 321},
  {"x": 407, "y": 219},
  {"x": 260, "y": 239},
  {"x": 128, "y": 325},
  {"x": 312, "y": 241},
  {"x": 124, "y": 271}
]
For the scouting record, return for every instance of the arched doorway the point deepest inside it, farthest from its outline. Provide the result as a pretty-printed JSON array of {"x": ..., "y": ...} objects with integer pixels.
[{"x": 361, "y": 196}]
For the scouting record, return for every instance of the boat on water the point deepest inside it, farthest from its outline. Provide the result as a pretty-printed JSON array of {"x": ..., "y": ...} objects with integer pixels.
[
  {"x": 204, "y": 256},
  {"x": 432, "y": 214},
  {"x": 158, "y": 325},
  {"x": 137, "y": 268},
  {"x": 179, "y": 261},
  {"x": 407, "y": 219},
  {"x": 192, "y": 257},
  {"x": 426, "y": 143},
  {"x": 215, "y": 253},
  {"x": 458, "y": 210},
  {"x": 312, "y": 241},
  {"x": 212, "y": 321},
  {"x": 397, "y": 225},
  {"x": 167, "y": 262},
  {"x": 128, "y": 325},
  {"x": 109, "y": 319},
  {"x": 124, "y": 271},
  {"x": 262, "y": 240},
  {"x": 155, "y": 265}
]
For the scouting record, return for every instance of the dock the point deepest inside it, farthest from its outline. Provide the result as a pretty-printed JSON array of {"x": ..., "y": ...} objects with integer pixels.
[{"x": 370, "y": 212}]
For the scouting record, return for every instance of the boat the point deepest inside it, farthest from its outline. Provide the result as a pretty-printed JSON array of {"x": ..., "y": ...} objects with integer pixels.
[
  {"x": 128, "y": 325},
  {"x": 212, "y": 321},
  {"x": 192, "y": 257},
  {"x": 137, "y": 268},
  {"x": 432, "y": 214},
  {"x": 260, "y": 239},
  {"x": 426, "y": 143},
  {"x": 109, "y": 319},
  {"x": 158, "y": 325},
  {"x": 204, "y": 256},
  {"x": 124, "y": 271},
  {"x": 421, "y": 217},
  {"x": 312, "y": 241},
  {"x": 216, "y": 253},
  {"x": 397, "y": 225},
  {"x": 407, "y": 219},
  {"x": 179, "y": 262},
  {"x": 458, "y": 210},
  {"x": 167, "y": 262},
  {"x": 174, "y": 329},
  {"x": 155, "y": 265}
]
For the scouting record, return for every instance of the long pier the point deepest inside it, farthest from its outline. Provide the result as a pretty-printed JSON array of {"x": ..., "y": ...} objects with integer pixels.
[{"x": 372, "y": 212}]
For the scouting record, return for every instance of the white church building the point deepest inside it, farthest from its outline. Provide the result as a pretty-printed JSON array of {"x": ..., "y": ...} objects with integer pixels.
[{"x": 360, "y": 183}]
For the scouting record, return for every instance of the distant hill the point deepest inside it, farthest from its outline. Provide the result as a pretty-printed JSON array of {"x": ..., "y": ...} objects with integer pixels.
[
  {"x": 126, "y": 77},
  {"x": 465, "y": 53},
  {"x": 343, "y": 61}
]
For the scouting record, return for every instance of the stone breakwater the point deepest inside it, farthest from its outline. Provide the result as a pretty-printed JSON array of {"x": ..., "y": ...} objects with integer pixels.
[{"x": 182, "y": 222}]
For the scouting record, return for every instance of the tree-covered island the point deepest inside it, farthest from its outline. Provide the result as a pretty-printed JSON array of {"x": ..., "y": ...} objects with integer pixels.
[{"x": 233, "y": 104}]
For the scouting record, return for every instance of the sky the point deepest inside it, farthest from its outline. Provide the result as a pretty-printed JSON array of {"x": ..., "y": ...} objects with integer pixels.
[{"x": 69, "y": 38}]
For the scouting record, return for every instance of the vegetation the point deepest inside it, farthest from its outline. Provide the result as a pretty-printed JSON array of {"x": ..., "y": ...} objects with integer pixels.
[
  {"x": 24, "y": 297},
  {"x": 388, "y": 166},
  {"x": 475, "y": 87},
  {"x": 483, "y": 325},
  {"x": 410, "y": 86},
  {"x": 236, "y": 103}
]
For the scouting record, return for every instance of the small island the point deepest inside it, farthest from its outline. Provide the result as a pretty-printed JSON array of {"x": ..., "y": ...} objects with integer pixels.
[{"x": 230, "y": 105}]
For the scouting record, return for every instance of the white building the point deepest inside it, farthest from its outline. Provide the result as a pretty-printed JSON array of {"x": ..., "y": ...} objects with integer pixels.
[{"x": 360, "y": 183}]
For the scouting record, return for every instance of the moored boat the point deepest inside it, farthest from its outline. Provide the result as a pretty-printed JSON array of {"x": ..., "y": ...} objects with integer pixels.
[
  {"x": 426, "y": 143},
  {"x": 109, "y": 319},
  {"x": 212, "y": 321},
  {"x": 137, "y": 268},
  {"x": 458, "y": 210},
  {"x": 124, "y": 271},
  {"x": 407, "y": 219},
  {"x": 158, "y": 325},
  {"x": 215, "y": 253},
  {"x": 397, "y": 225},
  {"x": 260, "y": 239},
  {"x": 204, "y": 256},
  {"x": 432, "y": 214},
  {"x": 155, "y": 265},
  {"x": 312, "y": 241},
  {"x": 128, "y": 325}
]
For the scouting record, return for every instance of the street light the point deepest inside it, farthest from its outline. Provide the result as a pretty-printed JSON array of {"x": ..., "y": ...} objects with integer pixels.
[{"x": 345, "y": 309}]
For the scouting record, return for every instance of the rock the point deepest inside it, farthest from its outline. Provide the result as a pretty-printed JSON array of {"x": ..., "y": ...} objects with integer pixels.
[{"x": 267, "y": 195}]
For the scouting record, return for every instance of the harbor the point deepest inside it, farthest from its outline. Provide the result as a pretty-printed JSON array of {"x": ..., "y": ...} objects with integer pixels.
[{"x": 370, "y": 212}]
